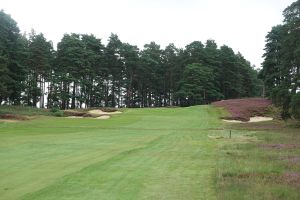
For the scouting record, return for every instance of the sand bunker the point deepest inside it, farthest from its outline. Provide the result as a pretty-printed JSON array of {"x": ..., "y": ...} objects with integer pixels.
[
  {"x": 96, "y": 114},
  {"x": 100, "y": 112},
  {"x": 260, "y": 119},
  {"x": 78, "y": 117},
  {"x": 252, "y": 119},
  {"x": 9, "y": 120},
  {"x": 75, "y": 117},
  {"x": 103, "y": 117},
  {"x": 233, "y": 121}
]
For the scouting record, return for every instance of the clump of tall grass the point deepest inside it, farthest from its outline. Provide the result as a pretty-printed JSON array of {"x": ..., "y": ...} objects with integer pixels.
[{"x": 23, "y": 110}]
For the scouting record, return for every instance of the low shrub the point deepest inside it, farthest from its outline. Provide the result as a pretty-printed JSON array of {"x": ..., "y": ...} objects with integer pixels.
[
  {"x": 295, "y": 105},
  {"x": 107, "y": 109},
  {"x": 58, "y": 113},
  {"x": 74, "y": 113},
  {"x": 54, "y": 109}
]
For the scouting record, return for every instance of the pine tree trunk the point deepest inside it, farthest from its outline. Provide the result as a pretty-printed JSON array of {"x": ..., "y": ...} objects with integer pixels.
[
  {"x": 73, "y": 96},
  {"x": 106, "y": 94},
  {"x": 64, "y": 89},
  {"x": 42, "y": 92},
  {"x": 49, "y": 100}
]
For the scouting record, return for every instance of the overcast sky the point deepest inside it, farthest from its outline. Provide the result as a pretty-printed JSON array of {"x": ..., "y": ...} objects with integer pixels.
[{"x": 240, "y": 24}]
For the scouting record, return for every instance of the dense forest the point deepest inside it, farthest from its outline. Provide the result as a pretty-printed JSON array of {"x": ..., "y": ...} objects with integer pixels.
[
  {"x": 83, "y": 72},
  {"x": 281, "y": 67}
]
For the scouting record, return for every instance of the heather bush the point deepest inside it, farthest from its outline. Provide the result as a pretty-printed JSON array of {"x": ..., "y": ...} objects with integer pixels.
[{"x": 243, "y": 109}]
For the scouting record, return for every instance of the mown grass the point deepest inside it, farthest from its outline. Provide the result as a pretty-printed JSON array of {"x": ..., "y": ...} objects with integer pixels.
[
  {"x": 166, "y": 153},
  {"x": 140, "y": 154}
]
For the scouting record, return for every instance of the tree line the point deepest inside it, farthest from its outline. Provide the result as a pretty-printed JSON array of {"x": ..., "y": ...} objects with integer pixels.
[
  {"x": 281, "y": 65},
  {"x": 83, "y": 72}
]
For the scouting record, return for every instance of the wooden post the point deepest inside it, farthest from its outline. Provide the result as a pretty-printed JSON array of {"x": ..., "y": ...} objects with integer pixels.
[{"x": 230, "y": 134}]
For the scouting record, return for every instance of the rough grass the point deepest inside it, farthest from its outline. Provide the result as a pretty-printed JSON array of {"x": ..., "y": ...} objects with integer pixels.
[
  {"x": 20, "y": 112},
  {"x": 166, "y": 153},
  {"x": 23, "y": 110},
  {"x": 13, "y": 117},
  {"x": 265, "y": 169},
  {"x": 74, "y": 113}
]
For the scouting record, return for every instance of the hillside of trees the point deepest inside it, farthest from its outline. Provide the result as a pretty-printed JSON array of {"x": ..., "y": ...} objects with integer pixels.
[
  {"x": 83, "y": 72},
  {"x": 281, "y": 67}
]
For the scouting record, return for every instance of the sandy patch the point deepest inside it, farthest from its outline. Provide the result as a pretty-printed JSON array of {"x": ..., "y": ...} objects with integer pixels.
[
  {"x": 74, "y": 117},
  {"x": 232, "y": 121},
  {"x": 252, "y": 119},
  {"x": 100, "y": 112},
  {"x": 80, "y": 117},
  {"x": 103, "y": 117},
  {"x": 9, "y": 120},
  {"x": 260, "y": 119}
]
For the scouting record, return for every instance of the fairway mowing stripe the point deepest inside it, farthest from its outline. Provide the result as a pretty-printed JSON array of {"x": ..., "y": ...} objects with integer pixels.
[
  {"x": 140, "y": 129},
  {"x": 157, "y": 129}
]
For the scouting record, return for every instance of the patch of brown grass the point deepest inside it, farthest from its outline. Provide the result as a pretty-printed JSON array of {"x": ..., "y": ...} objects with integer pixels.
[
  {"x": 287, "y": 178},
  {"x": 265, "y": 126},
  {"x": 107, "y": 109},
  {"x": 280, "y": 146},
  {"x": 292, "y": 159},
  {"x": 13, "y": 117},
  {"x": 74, "y": 113},
  {"x": 290, "y": 178}
]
